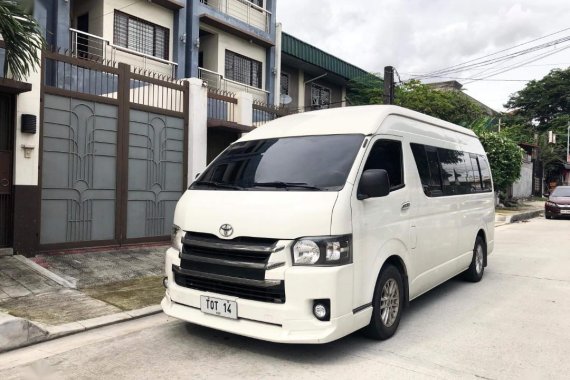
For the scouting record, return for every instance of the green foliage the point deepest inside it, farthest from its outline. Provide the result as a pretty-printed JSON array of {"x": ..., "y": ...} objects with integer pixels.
[
  {"x": 505, "y": 158},
  {"x": 543, "y": 101},
  {"x": 364, "y": 90},
  {"x": 23, "y": 38},
  {"x": 449, "y": 105}
]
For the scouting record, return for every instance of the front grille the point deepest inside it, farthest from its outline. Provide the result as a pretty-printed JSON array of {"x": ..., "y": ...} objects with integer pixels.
[
  {"x": 234, "y": 267},
  {"x": 264, "y": 291}
]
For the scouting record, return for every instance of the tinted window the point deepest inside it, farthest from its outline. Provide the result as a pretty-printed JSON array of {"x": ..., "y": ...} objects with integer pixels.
[
  {"x": 288, "y": 163},
  {"x": 451, "y": 172},
  {"x": 387, "y": 155},
  {"x": 485, "y": 174},
  {"x": 476, "y": 176},
  {"x": 561, "y": 192}
]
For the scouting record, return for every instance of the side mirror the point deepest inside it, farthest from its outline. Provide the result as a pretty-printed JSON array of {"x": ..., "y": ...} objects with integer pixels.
[{"x": 374, "y": 183}]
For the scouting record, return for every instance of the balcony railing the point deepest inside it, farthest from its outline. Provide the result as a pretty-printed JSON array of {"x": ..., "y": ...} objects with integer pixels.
[
  {"x": 90, "y": 46},
  {"x": 218, "y": 81},
  {"x": 243, "y": 10}
]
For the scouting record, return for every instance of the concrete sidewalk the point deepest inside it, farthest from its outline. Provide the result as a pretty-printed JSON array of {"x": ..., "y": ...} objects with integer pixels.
[{"x": 53, "y": 295}]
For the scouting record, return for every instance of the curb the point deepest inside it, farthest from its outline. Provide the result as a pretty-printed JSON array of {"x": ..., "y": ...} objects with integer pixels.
[
  {"x": 507, "y": 219},
  {"x": 18, "y": 333},
  {"x": 46, "y": 272}
]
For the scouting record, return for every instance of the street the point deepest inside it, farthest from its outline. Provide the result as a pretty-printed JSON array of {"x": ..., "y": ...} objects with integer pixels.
[{"x": 513, "y": 324}]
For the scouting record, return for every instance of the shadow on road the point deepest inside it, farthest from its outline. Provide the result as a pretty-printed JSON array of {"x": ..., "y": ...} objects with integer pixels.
[{"x": 326, "y": 353}]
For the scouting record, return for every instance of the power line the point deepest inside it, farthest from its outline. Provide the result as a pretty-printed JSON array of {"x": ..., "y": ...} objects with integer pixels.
[
  {"x": 500, "y": 51},
  {"x": 463, "y": 78}
]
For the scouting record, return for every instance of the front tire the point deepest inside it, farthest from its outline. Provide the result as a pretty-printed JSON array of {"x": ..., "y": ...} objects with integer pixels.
[
  {"x": 387, "y": 304},
  {"x": 477, "y": 268}
]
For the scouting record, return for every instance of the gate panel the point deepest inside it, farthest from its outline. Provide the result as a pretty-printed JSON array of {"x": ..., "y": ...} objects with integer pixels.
[
  {"x": 79, "y": 163},
  {"x": 156, "y": 172}
]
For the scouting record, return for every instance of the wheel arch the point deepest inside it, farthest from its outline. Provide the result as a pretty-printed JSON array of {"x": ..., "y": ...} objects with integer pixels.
[
  {"x": 398, "y": 262},
  {"x": 481, "y": 233}
]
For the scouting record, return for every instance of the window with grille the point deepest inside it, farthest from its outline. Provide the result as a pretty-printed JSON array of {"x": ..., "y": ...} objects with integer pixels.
[
  {"x": 243, "y": 69},
  {"x": 284, "y": 84},
  {"x": 320, "y": 96},
  {"x": 140, "y": 35}
]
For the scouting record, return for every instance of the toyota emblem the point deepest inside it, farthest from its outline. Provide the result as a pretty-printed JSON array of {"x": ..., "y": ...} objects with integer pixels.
[{"x": 226, "y": 230}]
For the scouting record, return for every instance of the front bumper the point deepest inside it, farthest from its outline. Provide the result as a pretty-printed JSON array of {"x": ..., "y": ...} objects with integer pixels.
[{"x": 290, "y": 322}]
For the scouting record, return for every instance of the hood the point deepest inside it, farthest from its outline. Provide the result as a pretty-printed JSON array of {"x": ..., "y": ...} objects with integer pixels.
[
  {"x": 264, "y": 214},
  {"x": 560, "y": 200}
]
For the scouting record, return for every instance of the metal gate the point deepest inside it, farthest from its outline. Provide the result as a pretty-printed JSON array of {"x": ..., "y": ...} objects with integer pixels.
[
  {"x": 6, "y": 165},
  {"x": 114, "y": 153}
]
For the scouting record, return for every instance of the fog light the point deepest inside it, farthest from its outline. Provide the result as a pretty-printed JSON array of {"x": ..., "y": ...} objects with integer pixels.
[
  {"x": 165, "y": 282},
  {"x": 321, "y": 309}
]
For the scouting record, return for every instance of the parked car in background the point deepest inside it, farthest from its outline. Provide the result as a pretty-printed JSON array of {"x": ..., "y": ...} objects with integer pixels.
[{"x": 558, "y": 203}]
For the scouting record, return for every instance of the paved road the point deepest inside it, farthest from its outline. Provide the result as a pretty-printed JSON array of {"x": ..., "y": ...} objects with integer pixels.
[{"x": 514, "y": 324}]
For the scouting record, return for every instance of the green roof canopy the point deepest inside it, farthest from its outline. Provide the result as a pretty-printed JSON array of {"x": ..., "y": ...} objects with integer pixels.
[{"x": 315, "y": 56}]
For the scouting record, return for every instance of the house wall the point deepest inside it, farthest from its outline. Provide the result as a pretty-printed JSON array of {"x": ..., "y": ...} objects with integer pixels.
[
  {"x": 336, "y": 92},
  {"x": 522, "y": 188},
  {"x": 143, "y": 9}
]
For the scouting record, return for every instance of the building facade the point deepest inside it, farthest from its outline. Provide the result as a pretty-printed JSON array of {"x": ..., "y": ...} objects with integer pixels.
[{"x": 131, "y": 102}]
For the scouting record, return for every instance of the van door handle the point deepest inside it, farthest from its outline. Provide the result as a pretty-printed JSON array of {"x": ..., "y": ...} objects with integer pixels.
[{"x": 406, "y": 206}]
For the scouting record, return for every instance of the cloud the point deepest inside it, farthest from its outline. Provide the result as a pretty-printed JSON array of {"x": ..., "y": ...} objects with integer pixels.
[{"x": 418, "y": 36}]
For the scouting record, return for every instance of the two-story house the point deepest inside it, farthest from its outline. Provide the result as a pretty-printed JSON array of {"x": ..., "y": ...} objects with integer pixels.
[{"x": 132, "y": 101}]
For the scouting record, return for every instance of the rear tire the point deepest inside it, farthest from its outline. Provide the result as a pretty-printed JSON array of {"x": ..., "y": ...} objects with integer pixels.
[
  {"x": 387, "y": 304},
  {"x": 477, "y": 268}
]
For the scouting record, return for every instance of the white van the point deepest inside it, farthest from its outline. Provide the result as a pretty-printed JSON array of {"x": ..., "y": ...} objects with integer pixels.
[{"x": 323, "y": 223}]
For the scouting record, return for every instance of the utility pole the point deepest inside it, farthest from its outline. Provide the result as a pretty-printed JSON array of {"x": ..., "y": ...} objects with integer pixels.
[
  {"x": 388, "y": 85},
  {"x": 568, "y": 144}
]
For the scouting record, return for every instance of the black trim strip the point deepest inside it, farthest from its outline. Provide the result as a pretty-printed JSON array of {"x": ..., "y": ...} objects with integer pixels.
[
  {"x": 360, "y": 308},
  {"x": 233, "y": 280}
]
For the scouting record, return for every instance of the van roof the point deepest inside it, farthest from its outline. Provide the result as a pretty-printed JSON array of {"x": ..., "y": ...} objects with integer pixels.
[{"x": 357, "y": 119}]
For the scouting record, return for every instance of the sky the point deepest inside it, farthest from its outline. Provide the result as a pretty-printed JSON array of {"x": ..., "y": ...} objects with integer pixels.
[{"x": 422, "y": 36}]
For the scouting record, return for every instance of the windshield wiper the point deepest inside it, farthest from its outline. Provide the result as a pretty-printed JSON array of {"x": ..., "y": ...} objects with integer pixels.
[
  {"x": 286, "y": 185},
  {"x": 218, "y": 185}
]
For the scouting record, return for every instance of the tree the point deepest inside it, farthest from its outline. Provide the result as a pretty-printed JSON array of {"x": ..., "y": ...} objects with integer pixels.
[
  {"x": 452, "y": 106},
  {"x": 543, "y": 101},
  {"x": 505, "y": 158},
  {"x": 23, "y": 39}
]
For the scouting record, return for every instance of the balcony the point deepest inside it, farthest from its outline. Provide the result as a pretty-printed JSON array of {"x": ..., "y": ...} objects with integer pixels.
[
  {"x": 243, "y": 10},
  {"x": 92, "y": 47},
  {"x": 217, "y": 81}
]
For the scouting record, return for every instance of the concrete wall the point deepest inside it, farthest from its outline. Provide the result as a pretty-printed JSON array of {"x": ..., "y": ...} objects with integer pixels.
[
  {"x": 209, "y": 49},
  {"x": 523, "y": 187}
]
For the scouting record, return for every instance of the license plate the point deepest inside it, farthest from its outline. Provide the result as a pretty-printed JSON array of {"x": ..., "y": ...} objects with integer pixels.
[
  {"x": 216, "y": 306},
  {"x": 565, "y": 211}
]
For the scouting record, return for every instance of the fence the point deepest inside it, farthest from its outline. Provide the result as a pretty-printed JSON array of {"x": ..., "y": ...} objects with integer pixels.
[
  {"x": 221, "y": 105},
  {"x": 263, "y": 113}
]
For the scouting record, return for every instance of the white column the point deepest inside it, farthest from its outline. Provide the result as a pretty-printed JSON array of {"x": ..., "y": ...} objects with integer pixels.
[
  {"x": 301, "y": 97},
  {"x": 244, "y": 109},
  {"x": 26, "y": 165},
  {"x": 278, "y": 34},
  {"x": 197, "y": 128}
]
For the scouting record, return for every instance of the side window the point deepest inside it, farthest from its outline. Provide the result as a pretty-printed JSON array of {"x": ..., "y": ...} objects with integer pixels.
[
  {"x": 427, "y": 163},
  {"x": 476, "y": 184},
  {"x": 387, "y": 155},
  {"x": 485, "y": 174},
  {"x": 453, "y": 170}
]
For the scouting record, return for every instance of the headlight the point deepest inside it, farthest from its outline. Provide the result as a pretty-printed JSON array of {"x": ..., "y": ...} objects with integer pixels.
[
  {"x": 323, "y": 250},
  {"x": 176, "y": 236},
  {"x": 551, "y": 204}
]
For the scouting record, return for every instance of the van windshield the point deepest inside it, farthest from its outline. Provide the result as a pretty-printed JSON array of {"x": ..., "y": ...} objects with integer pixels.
[{"x": 301, "y": 163}]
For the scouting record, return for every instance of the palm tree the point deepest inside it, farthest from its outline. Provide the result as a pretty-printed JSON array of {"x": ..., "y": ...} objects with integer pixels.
[{"x": 23, "y": 39}]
